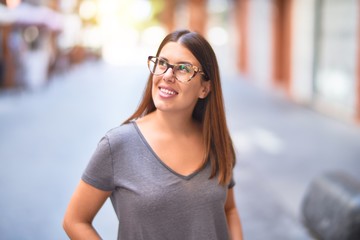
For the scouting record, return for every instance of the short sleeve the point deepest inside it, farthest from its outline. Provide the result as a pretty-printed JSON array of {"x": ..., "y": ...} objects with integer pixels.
[{"x": 99, "y": 171}]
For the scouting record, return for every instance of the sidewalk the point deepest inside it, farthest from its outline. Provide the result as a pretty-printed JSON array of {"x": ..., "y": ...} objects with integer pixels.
[{"x": 48, "y": 136}]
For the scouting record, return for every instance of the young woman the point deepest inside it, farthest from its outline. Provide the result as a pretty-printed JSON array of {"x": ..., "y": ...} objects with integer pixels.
[{"x": 168, "y": 168}]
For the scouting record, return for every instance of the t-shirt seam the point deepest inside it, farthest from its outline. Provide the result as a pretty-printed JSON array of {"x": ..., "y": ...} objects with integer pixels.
[{"x": 112, "y": 161}]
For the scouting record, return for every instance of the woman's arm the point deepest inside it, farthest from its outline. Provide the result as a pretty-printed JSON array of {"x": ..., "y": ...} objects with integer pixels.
[
  {"x": 232, "y": 217},
  {"x": 83, "y": 206}
]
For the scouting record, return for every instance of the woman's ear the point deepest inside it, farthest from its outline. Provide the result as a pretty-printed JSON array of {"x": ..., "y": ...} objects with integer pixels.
[{"x": 205, "y": 89}]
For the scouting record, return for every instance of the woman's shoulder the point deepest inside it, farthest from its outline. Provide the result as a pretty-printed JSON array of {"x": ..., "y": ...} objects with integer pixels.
[{"x": 121, "y": 132}]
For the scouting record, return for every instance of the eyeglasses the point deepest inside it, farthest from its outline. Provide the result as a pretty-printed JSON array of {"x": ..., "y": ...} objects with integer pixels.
[{"x": 183, "y": 72}]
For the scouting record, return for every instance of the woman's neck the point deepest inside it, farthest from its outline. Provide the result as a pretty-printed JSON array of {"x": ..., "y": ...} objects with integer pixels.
[{"x": 173, "y": 123}]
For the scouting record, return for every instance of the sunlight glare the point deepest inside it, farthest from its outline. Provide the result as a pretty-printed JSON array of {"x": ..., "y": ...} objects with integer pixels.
[
  {"x": 218, "y": 36},
  {"x": 152, "y": 36},
  {"x": 141, "y": 10},
  {"x": 87, "y": 10},
  {"x": 119, "y": 49}
]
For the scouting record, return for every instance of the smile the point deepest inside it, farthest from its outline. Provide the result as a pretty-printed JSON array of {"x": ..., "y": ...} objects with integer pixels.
[{"x": 167, "y": 91}]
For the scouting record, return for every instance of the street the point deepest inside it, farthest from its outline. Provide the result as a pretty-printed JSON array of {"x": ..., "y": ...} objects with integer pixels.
[{"x": 47, "y": 136}]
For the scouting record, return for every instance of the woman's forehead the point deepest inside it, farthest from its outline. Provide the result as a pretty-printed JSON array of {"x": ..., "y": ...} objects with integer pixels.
[{"x": 176, "y": 52}]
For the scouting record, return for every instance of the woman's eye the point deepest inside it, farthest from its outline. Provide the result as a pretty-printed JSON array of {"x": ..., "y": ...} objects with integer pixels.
[
  {"x": 162, "y": 63},
  {"x": 184, "y": 68}
]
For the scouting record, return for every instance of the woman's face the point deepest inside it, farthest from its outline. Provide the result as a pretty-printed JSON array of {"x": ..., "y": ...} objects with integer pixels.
[{"x": 171, "y": 95}]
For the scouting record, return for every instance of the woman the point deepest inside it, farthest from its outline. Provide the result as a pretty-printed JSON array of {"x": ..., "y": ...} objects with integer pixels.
[{"x": 168, "y": 168}]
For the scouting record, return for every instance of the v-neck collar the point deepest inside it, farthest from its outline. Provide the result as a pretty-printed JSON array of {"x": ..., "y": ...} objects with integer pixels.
[{"x": 185, "y": 177}]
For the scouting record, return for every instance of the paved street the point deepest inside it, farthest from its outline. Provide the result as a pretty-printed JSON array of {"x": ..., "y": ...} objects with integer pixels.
[{"x": 47, "y": 136}]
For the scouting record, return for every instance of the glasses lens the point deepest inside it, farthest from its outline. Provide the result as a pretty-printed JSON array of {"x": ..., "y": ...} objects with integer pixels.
[
  {"x": 157, "y": 65},
  {"x": 184, "y": 72}
]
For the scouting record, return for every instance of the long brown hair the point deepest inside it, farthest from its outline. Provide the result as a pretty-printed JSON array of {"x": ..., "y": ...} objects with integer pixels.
[{"x": 209, "y": 111}]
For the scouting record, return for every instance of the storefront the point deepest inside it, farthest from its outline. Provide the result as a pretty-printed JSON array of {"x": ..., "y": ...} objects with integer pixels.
[
  {"x": 336, "y": 58},
  {"x": 308, "y": 49},
  {"x": 27, "y": 45}
]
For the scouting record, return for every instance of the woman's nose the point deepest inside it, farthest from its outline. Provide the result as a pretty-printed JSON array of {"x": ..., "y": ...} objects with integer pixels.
[{"x": 169, "y": 75}]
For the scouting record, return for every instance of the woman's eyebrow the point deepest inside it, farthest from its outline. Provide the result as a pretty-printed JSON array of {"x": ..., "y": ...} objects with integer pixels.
[
  {"x": 164, "y": 58},
  {"x": 184, "y": 62},
  {"x": 181, "y": 62}
]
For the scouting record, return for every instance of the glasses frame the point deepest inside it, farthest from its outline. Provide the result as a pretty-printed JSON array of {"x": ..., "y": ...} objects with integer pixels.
[{"x": 172, "y": 66}]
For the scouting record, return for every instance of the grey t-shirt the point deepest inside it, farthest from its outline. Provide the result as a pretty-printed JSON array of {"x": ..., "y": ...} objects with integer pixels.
[{"x": 151, "y": 200}]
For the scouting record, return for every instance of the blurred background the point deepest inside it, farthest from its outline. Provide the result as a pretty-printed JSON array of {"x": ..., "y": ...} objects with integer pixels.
[{"x": 72, "y": 69}]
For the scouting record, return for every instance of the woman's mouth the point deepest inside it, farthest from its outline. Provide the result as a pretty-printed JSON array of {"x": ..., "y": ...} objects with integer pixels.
[{"x": 167, "y": 91}]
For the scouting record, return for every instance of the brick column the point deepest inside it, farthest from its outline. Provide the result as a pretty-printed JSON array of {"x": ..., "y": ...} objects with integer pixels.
[
  {"x": 168, "y": 15},
  {"x": 282, "y": 43},
  {"x": 198, "y": 15},
  {"x": 9, "y": 68},
  {"x": 241, "y": 18}
]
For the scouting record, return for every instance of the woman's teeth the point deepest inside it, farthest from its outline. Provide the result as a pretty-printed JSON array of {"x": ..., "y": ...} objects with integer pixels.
[{"x": 167, "y": 91}]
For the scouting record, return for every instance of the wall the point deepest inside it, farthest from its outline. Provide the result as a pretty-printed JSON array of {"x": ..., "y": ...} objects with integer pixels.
[
  {"x": 302, "y": 71},
  {"x": 260, "y": 42}
]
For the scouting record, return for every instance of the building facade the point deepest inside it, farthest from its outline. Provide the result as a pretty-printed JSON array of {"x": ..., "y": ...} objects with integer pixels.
[{"x": 310, "y": 49}]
